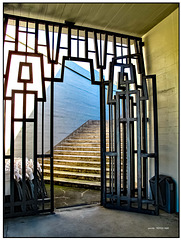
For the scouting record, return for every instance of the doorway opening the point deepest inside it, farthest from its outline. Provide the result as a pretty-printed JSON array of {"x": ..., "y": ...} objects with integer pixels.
[{"x": 77, "y": 158}]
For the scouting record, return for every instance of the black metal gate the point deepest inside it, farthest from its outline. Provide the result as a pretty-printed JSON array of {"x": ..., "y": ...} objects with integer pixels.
[
  {"x": 128, "y": 186},
  {"x": 37, "y": 46}
]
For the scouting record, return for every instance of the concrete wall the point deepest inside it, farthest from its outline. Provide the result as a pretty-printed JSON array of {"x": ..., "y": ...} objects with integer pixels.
[{"x": 161, "y": 58}]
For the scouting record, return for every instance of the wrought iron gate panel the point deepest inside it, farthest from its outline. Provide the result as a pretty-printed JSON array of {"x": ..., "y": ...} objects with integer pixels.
[
  {"x": 53, "y": 44},
  {"x": 129, "y": 147}
]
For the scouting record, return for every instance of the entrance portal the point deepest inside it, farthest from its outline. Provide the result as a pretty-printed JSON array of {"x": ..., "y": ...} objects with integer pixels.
[{"x": 31, "y": 67}]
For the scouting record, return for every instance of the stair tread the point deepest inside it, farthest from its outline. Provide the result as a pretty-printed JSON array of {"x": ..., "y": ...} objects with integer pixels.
[
  {"x": 74, "y": 173},
  {"x": 78, "y": 147},
  {"x": 77, "y": 158},
  {"x": 87, "y": 143},
  {"x": 81, "y": 156},
  {"x": 63, "y": 150},
  {"x": 75, "y": 167},
  {"x": 83, "y": 139},
  {"x": 76, "y": 161}
]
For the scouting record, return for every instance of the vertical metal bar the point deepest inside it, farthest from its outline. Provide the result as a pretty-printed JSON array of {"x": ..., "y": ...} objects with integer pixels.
[
  {"x": 110, "y": 149},
  {"x": 118, "y": 148},
  {"x": 142, "y": 66},
  {"x": 114, "y": 46},
  {"x": 35, "y": 151},
  {"x": 58, "y": 44},
  {"x": 139, "y": 169},
  {"x": 145, "y": 147},
  {"x": 51, "y": 137},
  {"x": 156, "y": 149},
  {"x": 96, "y": 48},
  {"x": 128, "y": 148},
  {"x": 4, "y": 139},
  {"x": 129, "y": 51},
  {"x": 77, "y": 43},
  {"x": 132, "y": 147},
  {"x": 103, "y": 139},
  {"x": 47, "y": 42},
  {"x": 144, "y": 130},
  {"x": 4, "y": 123},
  {"x": 124, "y": 148},
  {"x": 105, "y": 51},
  {"x": 52, "y": 126},
  {"x": 144, "y": 123},
  {"x": 17, "y": 35},
  {"x": 86, "y": 44},
  {"x": 36, "y": 37},
  {"x": 100, "y": 50},
  {"x": 26, "y": 35},
  {"x": 115, "y": 148},
  {"x": 137, "y": 59},
  {"x": 12, "y": 156},
  {"x": 53, "y": 39},
  {"x": 122, "y": 50},
  {"x": 24, "y": 150},
  {"x": 43, "y": 148},
  {"x": 69, "y": 41}
]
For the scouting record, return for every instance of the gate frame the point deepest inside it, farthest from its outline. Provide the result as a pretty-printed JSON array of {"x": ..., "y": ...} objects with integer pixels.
[{"x": 101, "y": 58}]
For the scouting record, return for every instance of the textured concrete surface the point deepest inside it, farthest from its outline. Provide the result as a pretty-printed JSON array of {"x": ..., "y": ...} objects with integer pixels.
[
  {"x": 94, "y": 221},
  {"x": 162, "y": 58}
]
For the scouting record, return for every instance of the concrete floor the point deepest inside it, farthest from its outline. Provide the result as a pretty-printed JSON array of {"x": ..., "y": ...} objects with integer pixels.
[
  {"x": 93, "y": 221},
  {"x": 71, "y": 196}
]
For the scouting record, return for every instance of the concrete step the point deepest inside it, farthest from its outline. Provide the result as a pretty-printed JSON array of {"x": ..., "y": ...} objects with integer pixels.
[
  {"x": 77, "y": 157},
  {"x": 82, "y": 144},
  {"x": 86, "y": 136},
  {"x": 74, "y": 175},
  {"x": 81, "y": 169},
  {"x": 93, "y": 164},
  {"x": 74, "y": 140},
  {"x": 78, "y": 153},
  {"x": 90, "y": 131},
  {"x": 77, "y": 148},
  {"x": 96, "y": 164},
  {"x": 78, "y": 169},
  {"x": 94, "y": 122},
  {"x": 90, "y": 128}
]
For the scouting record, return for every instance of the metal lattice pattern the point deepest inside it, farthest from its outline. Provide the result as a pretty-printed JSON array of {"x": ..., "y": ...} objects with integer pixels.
[
  {"x": 54, "y": 44},
  {"x": 128, "y": 187}
]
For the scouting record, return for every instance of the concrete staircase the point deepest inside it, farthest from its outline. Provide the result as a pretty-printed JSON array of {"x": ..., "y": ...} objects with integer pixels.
[{"x": 77, "y": 158}]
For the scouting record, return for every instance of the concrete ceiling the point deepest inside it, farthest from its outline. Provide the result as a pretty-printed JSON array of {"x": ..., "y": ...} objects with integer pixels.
[{"x": 133, "y": 19}]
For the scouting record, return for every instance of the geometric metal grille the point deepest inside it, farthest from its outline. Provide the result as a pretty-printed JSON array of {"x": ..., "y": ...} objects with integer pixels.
[
  {"x": 127, "y": 188},
  {"x": 53, "y": 44}
]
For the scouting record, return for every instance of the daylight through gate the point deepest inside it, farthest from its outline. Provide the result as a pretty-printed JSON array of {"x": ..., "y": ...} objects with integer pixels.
[{"x": 33, "y": 52}]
